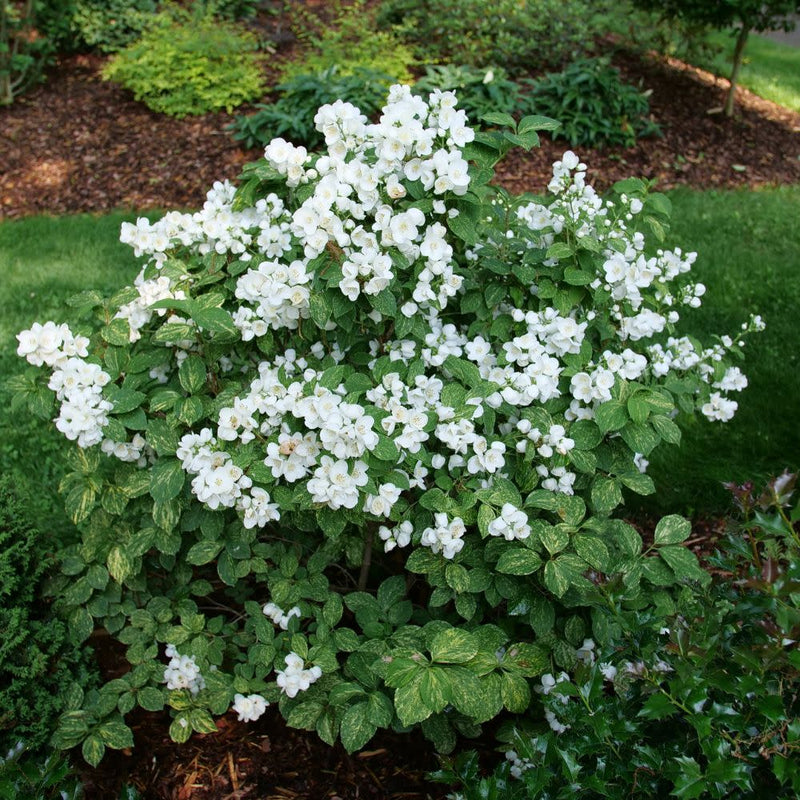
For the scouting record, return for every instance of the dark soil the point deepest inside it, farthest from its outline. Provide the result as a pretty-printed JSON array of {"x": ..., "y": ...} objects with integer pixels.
[{"x": 79, "y": 143}]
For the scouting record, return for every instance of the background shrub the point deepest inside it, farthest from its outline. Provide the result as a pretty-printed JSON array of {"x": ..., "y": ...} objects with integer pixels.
[
  {"x": 518, "y": 35},
  {"x": 479, "y": 91},
  {"x": 348, "y": 39},
  {"x": 189, "y": 65},
  {"x": 110, "y": 25},
  {"x": 37, "y": 661},
  {"x": 23, "y": 51},
  {"x": 594, "y": 106},
  {"x": 292, "y": 116}
]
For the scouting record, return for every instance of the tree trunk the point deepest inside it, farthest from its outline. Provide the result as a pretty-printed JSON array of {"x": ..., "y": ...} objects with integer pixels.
[{"x": 738, "y": 50}]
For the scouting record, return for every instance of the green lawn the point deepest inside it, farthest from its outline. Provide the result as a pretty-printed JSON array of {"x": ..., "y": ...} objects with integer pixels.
[
  {"x": 749, "y": 245},
  {"x": 770, "y": 69},
  {"x": 43, "y": 261},
  {"x": 749, "y": 258}
]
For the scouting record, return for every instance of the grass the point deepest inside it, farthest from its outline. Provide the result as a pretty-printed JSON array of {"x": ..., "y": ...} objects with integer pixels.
[
  {"x": 44, "y": 261},
  {"x": 770, "y": 69},
  {"x": 749, "y": 258},
  {"x": 748, "y": 243}
]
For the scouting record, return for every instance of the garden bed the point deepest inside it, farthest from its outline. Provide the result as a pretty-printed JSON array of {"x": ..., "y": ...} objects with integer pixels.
[{"x": 78, "y": 143}]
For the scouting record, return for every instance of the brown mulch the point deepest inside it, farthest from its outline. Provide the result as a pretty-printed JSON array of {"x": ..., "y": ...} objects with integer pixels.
[
  {"x": 264, "y": 760},
  {"x": 759, "y": 146},
  {"x": 78, "y": 143}
]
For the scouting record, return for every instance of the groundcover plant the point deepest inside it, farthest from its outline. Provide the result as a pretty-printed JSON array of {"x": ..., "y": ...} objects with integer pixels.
[{"x": 352, "y": 443}]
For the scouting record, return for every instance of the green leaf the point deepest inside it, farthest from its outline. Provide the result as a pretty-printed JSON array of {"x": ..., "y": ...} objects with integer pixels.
[
  {"x": 519, "y": 562},
  {"x": 666, "y": 429},
  {"x": 536, "y": 122},
  {"x": 79, "y": 502},
  {"x": 81, "y": 624},
  {"x": 201, "y": 721},
  {"x": 123, "y": 400},
  {"x": 453, "y": 646},
  {"x": 357, "y": 727},
  {"x": 408, "y": 701},
  {"x": 384, "y": 302},
  {"x": 527, "y": 659},
  {"x": 606, "y": 494},
  {"x": 557, "y": 577},
  {"x": 672, "y": 530},
  {"x": 166, "y": 479},
  {"x": 500, "y": 119},
  {"x": 120, "y": 565},
  {"x": 611, "y": 416},
  {"x": 217, "y": 321},
  {"x": 117, "y": 332},
  {"x": 516, "y": 692},
  {"x": 305, "y": 715},
  {"x": 683, "y": 561},
  {"x": 93, "y": 750},
  {"x": 463, "y": 370},
  {"x": 192, "y": 374},
  {"x": 638, "y": 482},
  {"x": 150, "y": 698},
  {"x": 116, "y": 734},
  {"x": 180, "y": 730},
  {"x": 204, "y": 552},
  {"x": 464, "y": 228},
  {"x": 592, "y": 550},
  {"x": 558, "y": 251}
]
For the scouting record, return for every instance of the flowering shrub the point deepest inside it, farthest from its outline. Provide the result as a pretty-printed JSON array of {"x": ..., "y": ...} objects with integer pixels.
[
  {"x": 362, "y": 423},
  {"x": 693, "y": 699}
]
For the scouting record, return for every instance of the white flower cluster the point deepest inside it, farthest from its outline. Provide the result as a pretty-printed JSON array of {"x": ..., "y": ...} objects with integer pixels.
[
  {"x": 279, "y": 617},
  {"x": 135, "y": 451},
  {"x": 50, "y": 344},
  {"x": 216, "y": 228},
  {"x": 279, "y": 298},
  {"x": 182, "y": 672},
  {"x": 218, "y": 482},
  {"x": 250, "y": 707},
  {"x": 77, "y": 383},
  {"x": 399, "y": 536},
  {"x": 519, "y": 765},
  {"x": 511, "y": 524},
  {"x": 548, "y": 683},
  {"x": 138, "y": 312},
  {"x": 296, "y": 678},
  {"x": 447, "y": 537}
]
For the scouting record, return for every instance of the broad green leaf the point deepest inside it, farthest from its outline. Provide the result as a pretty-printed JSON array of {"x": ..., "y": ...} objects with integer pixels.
[
  {"x": 192, "y": 374},
  {"x": 611, "y": 416},
  {"x": 357, "y": 727},
  {"x": 93, "y": 750},
  {"x": 672, "y": 530},
  {"x": 453, "y": 646},
  {"x": 120, "y": 564},
  {"x": 166, "y": 479},
  {"x": 684, "y": 562},
  {"x": 305, "y": 715},
  {"x": 116, "y": 734},
  {"x": 516, "y": 692},
  {"x": 592, "y": 550},
  {"x": 204, "y": 552},
  {"x": 519, "y": 562},
  {"x": 606, "y": 494}
]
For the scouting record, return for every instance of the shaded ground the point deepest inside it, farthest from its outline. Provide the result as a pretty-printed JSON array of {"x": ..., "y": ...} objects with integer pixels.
[{"x": 78, "y": 143}]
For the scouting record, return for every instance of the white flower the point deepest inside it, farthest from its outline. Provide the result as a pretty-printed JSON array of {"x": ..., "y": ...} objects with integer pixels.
[{"x": 249, "y": 708}]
